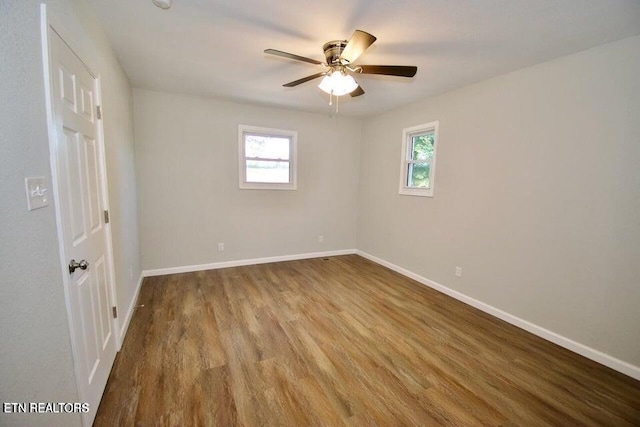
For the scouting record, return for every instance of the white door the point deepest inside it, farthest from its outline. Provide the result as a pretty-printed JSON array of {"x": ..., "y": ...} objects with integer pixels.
[{"x": 80, "y": 189}]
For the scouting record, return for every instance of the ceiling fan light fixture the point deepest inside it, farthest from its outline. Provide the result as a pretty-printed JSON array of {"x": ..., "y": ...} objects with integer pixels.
[
  {"x": 162, "y": 4},
  {"x": 338, "y": 83}
]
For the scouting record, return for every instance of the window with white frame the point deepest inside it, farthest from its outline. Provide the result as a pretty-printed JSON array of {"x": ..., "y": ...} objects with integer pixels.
[
  {"x": 418, "y": 164},
  {"x": 267, "y": 158}
]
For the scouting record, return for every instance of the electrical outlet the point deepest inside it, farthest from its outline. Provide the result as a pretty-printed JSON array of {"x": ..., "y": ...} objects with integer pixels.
[
  {"x": 458, "y": 271},
  {"x": 220, "y": 247},
  {"x": 320, "y": 239}
]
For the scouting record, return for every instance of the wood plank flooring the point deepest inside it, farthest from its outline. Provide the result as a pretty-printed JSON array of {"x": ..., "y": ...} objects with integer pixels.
[{"x": 343, "y": 341}]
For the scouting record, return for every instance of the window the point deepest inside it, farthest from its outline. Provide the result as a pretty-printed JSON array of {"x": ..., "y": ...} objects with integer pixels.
[
  {"x": 418, "y": 165},
  {"x": 267, "y": 158}
]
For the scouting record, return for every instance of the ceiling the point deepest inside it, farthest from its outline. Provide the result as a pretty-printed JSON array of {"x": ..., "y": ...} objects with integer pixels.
[{"x": 214, "y": 48}]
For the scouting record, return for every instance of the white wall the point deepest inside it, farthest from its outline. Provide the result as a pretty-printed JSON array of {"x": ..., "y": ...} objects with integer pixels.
[
  {"x": 35, "y": 356},
  {"x": 189, "y": 200},
  {"x": 537, "y": 195}
]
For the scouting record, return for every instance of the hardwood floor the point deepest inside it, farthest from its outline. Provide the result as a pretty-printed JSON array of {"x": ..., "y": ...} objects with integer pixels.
[{"x": 343, "y": 341}]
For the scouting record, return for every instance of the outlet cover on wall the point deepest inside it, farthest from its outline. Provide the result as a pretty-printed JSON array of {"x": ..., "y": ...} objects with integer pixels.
[
  {"x": 320, "y": 239},
  {"x": 220, "y": 247},
  {"x": 458, "y": 271}
]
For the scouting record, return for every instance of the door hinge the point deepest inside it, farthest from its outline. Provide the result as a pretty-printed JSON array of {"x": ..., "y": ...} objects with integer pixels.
[
  {"x": 115, "y": 312},
  {"x": 99, "y": 112},
  {"x": 106, "y": 217}
]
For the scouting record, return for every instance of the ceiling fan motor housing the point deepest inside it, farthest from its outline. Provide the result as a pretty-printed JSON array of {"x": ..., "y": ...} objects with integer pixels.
[{"x": 333, "y": 50}]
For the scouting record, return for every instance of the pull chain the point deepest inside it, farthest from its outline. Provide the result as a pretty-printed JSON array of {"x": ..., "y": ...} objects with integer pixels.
[{"x": 337, "y": 101}]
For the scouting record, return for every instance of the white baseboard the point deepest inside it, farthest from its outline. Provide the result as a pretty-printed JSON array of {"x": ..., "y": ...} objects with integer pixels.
[
  {"x": 239, "y": 263},
  {"x": 127, "y": 319},
  {"x": 583, "y": 350}
]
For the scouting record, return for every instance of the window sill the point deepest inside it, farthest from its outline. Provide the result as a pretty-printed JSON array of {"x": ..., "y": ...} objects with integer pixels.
[
  {"x": 260, "y": 186},
  {"x": 404, "y": 191}
]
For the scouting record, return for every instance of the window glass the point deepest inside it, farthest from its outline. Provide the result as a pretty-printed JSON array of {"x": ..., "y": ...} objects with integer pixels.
[
  {"x": 418, "y": 175},
  {"x": 267, "y": 171},
  {"x": 422, "y": 146},
  {"x": 266, "y": 147}
]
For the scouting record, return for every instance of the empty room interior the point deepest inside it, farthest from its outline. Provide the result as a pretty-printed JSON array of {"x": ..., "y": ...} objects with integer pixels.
[{"x": 354, "y": 212}]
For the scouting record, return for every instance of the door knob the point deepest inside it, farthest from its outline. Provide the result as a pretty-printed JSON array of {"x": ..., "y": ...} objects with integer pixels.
[{"x": 73, "y": 265}]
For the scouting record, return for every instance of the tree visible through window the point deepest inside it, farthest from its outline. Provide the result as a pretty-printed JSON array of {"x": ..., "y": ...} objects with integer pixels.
[
  {"x": 422, "y": 155},
  {"x": 418, "y": 159}
]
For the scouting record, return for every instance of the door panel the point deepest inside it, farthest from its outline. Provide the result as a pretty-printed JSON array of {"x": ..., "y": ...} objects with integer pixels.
[
  {"x": 104, "y": 318},
  {"x": 70, "y": 153},
  {"x": 67, "y": 87},
  {"x": 85, "y": 324},
  {"x": 93, "y": 192},
  {"x": 86, "y": 96}
]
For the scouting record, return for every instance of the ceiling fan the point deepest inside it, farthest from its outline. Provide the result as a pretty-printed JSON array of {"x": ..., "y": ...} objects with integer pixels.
[{"x": 340, "y": 56}]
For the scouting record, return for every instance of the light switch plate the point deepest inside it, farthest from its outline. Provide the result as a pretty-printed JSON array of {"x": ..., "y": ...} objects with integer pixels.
[{"x": 37, "y": 192}]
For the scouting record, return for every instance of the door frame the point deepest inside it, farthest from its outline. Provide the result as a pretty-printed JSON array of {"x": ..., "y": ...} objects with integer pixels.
[{"x": 49, "y": 22}]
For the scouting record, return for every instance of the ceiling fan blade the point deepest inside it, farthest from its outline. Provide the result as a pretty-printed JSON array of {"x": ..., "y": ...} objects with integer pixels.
[
  {"x": 292, "y": 56},
  {"x": 304, "y": 79},
  {"x": 357, "y": 92},
  {"x": 390, "y": 70},
  {"x": 358, "y": 43}
]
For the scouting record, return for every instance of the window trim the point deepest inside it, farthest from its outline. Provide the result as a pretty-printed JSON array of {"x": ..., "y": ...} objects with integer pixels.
[
  {"x": 405, "y": 160},
  {"x": 293, "y": 158}
]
